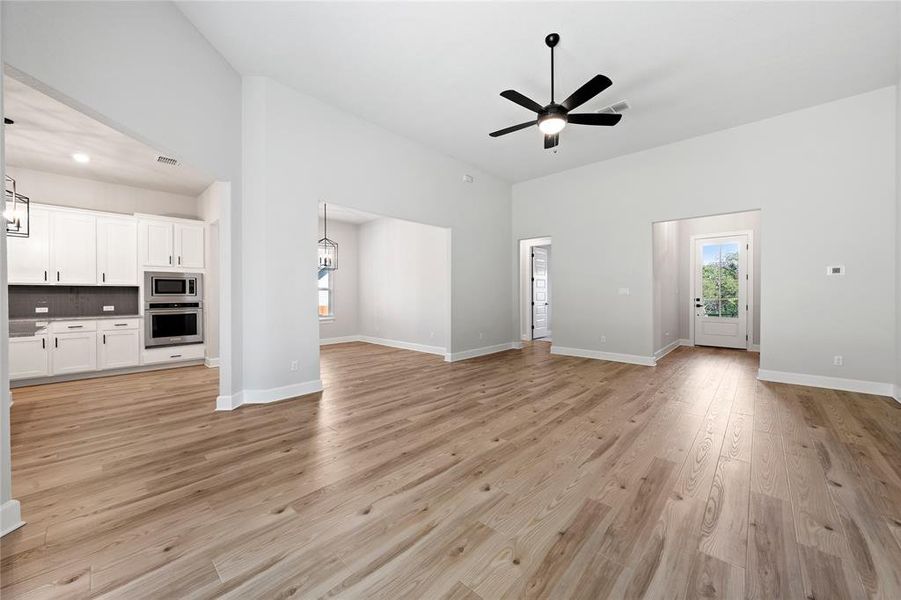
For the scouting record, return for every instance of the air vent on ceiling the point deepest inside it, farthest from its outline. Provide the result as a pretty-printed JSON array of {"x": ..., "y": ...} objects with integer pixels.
[
  {"x": 167, "y": 160},
  {"x": 617, "y": 108}
]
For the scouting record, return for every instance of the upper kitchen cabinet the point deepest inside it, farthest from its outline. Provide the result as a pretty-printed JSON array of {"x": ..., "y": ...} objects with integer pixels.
[
  {"x": 189, "y": 245},
  {"x": 73, "y": 248},
  {"x": 29, "y": 258},
  {"x": 117, "y": 251},
  {"x": 175, "y": 243}
]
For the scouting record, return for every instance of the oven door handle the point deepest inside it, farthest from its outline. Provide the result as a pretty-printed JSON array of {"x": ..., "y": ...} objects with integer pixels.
[{"x": 170, "y": 311}]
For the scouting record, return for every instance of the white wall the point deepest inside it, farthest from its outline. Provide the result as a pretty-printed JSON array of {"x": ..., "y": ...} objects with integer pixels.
[
  {"x": 827, "y": 196},
  {"x": 743, "y": 221},
  {"x": 898, "y": 229},
  {"x": 76, "y": 192},
  {"x": 403, "y": 282},
  {"x": 667, "y": 301},
  {"x": 300, "y": 152},
  {"x": 209, "y": 208},
  {"x": 344, "y": 282}
]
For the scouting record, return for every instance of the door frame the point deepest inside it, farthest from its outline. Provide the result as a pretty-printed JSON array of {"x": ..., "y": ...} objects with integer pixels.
[
  {"x": 749, "y": 292},
  {"x": 524, "y": 288}
]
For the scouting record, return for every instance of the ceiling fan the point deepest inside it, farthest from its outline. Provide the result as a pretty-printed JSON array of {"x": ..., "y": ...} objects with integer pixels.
[{"x": 554, "y": 117}]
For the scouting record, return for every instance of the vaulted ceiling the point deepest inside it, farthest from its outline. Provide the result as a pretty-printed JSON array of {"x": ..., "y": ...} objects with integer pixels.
[{"x": 433, "y": 71}]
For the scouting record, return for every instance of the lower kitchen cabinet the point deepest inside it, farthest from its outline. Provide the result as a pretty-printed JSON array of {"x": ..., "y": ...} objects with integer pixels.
[
  {"x": 73, "y": 352},
  {"x": 29, "y": 357},
  {"x": 117, "y": 349}
]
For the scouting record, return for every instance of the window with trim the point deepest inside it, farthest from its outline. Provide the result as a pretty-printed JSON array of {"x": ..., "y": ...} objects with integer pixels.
[{"x": 326, "y": 295}]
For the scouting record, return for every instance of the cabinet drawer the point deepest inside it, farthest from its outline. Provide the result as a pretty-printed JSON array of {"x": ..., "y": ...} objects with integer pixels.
[
  {"x": 72, "y": 326},
  {"x": 118, "y": 324},
  {"x": 173, "y": 354}
]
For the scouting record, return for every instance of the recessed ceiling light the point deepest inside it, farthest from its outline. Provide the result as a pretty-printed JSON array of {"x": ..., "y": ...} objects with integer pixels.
[{"x": 81, "y": 157}]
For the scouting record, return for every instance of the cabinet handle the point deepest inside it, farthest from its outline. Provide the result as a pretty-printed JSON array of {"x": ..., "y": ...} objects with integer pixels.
[
  {"x": 43, "y": 342},
  {"x": 45, "y": 275},
  {"x": 170, "y": 260},
  {"x": 57, "y": 275},
  {"x": 175, "y": 356},
  {"x": 120, "y": 324},
  {"x": 56, "y": 342},
  {"x": 179, "y": 260},
  {"x": 75, "y": 326},
  {"x": 104, "y": 338},
  {"x": 104, "y": 277}
]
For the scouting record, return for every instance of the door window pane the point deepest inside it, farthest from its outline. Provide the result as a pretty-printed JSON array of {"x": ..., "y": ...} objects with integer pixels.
[{"x": 719, "y": 279}]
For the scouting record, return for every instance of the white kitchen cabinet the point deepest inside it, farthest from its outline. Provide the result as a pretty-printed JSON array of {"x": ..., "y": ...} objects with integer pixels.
[
  {"x": 29, "y": 258},
  {"x": 157, "y": 241},
  {"x": 73, "y": 248},
  {"x": 117, "y": 251},
  {"x": 29, "y": 357},
  {"x": 118, "y": 348},
  {"x": 73, "y": 352},
  {"x": 189, "y": 245}
]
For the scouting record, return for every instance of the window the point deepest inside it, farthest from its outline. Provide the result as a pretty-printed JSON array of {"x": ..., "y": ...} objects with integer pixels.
[
  {"x": 720, "y": 279},
  {"x": 326, "y": 295}
]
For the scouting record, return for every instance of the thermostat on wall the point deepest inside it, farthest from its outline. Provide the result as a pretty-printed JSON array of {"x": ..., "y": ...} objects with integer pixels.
[{"x": 835, "y": 270}]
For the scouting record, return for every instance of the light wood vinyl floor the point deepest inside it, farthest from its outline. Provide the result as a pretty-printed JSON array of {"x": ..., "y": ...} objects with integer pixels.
[{"x": 518, "y": 475}]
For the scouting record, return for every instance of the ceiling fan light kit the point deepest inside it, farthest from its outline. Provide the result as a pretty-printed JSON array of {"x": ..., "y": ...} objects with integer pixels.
[{"x": 554, "y": 117}]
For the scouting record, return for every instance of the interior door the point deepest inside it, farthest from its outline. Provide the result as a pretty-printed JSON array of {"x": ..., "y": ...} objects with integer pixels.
[
  {"x": 541, "y": 301},
  {"x": 721, "y": 291}
]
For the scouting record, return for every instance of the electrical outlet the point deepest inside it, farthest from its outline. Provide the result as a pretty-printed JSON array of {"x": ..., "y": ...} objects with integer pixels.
[
  {"x": 838, "y": 360},
  {"x": 624, "y": 291},
  {"x": 109, "y": 308},
  {"x": 481, "y": 335},
  {"x": 294, "y": 365},
  {"x": 603, "y": 339},
  {"x": 41, "y": 309}
]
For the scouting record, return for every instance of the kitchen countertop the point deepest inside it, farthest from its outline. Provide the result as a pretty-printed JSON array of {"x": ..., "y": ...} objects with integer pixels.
[{"x": 28, "y": 326}]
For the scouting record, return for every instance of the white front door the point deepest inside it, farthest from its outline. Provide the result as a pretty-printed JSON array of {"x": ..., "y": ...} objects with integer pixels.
[
  {"x": 721, "y": 291},
  {"x": 541, "y": 301}
]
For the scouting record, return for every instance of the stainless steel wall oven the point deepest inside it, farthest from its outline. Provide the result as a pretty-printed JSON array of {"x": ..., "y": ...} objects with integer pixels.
[{"x": 173, "y": 309}]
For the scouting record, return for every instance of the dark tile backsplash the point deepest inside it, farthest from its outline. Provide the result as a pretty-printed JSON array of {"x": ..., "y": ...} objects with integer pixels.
[{"x": 71, "y": 301}]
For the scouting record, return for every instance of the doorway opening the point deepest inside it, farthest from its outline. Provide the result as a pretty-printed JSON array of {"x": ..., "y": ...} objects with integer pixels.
[
  {"x": 535, "y": 289},
  {"x": 112, "y": 221},
  {"x": 705, "y": 273},
  {"x": 391, "y": 286}
]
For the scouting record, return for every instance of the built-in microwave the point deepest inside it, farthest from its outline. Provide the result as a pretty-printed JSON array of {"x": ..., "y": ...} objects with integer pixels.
[{"x": 160, "y": 286}]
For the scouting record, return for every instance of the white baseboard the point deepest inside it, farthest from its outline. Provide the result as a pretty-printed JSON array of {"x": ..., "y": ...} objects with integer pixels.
[
  {"x": 822, "y": 381},
  {"x": 686, "y": 342},
  {"x": 634, "y": 359},
  {"x": 268, "y": 395},
  {"x": 383, "y": 342},
  {"x": 465, "y": 354},
  {"x": 211, "y": 362},
  {"x": 344, "y": 339},
  {"x": 897, "y": 395},
  {"x": 667, "y": 349},
  {"x": 754, "y": 348},
  {"x": 403, "y": 345},
  {"x": 10, "y": 517},
  {"x": 517, "y": 345}
]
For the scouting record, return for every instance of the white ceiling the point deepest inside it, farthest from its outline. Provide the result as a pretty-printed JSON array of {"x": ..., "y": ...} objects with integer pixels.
[
  {"x": 433, "y": 71},
  {"x": 47, "y": 132},
  {"x": 347, "y": 215}
]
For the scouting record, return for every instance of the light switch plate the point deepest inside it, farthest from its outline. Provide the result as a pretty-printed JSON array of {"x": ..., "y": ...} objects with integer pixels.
[
  {"x": 41, "y": 309},
  {"x": 109, "y": 308}
]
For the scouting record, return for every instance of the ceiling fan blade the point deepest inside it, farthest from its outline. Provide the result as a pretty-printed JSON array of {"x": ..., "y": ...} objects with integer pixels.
[
  {"x": 507, "y": 130},
  {"x": 514, "y": 96},
  {"x": 551, "y": 140},
  {"x": 593, "y": 118},
  {"x": 595, "y": 86}
]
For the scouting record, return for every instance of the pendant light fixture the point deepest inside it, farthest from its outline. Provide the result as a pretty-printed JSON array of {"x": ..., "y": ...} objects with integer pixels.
[
  {"x": 16, "y": 210},
  {"x": 328, "y": 249}
]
